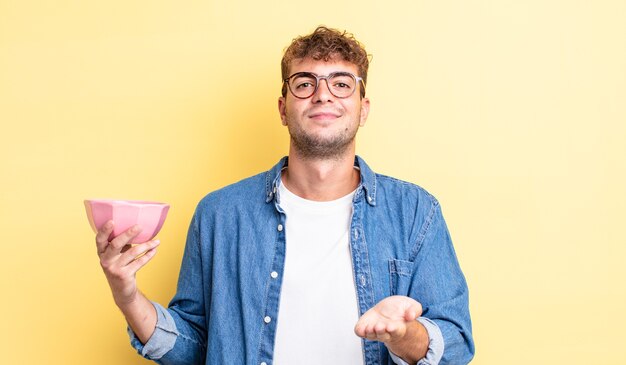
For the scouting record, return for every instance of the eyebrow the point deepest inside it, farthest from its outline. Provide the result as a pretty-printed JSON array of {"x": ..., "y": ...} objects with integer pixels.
[{"x": 330, "y": 73}]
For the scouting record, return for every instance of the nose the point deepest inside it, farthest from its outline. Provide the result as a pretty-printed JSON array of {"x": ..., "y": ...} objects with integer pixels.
[{"x": 322, "y": 94}]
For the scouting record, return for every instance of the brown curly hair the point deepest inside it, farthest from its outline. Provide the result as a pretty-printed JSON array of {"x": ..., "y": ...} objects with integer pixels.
[{"x": 324, "y": 44}]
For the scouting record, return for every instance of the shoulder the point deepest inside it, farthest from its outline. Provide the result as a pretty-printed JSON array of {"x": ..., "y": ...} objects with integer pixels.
[
  {"x": 392, "y": 189},
  {"x": 393, "y": 192},
  {"x": 244, "y": 192}
]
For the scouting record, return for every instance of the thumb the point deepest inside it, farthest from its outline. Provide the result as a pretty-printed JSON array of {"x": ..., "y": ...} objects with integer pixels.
[{"x": 414, "y": 311}]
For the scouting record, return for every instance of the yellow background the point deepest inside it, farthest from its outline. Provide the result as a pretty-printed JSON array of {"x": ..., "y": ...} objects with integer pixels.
[{"x": 513, "y": 113}]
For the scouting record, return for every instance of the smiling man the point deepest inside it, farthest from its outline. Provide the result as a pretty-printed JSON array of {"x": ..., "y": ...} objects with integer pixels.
[{"x": 316, "y": 261}]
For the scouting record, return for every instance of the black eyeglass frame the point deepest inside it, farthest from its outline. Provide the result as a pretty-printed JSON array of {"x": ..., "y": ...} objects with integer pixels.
[{"x": 318, "y": 78}]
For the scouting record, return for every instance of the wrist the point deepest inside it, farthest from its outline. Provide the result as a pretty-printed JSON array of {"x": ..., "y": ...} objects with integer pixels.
[
  {"x": 127, "y": 302},
  {"x": 412, "y": 345}
]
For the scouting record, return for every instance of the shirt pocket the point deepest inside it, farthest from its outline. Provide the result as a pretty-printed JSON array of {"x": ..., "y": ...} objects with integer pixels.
[{"x": 400, "y": 272}]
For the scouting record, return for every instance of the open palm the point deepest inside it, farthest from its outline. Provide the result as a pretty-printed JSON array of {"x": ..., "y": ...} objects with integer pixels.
[{"x": 387, "y": 320}]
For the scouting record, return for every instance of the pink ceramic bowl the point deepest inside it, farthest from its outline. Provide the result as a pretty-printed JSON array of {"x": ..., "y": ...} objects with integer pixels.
[{"x": 125, "y": 214}]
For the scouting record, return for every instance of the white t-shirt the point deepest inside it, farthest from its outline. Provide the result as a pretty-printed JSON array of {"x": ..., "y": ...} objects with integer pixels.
[{"x": 318, "y": 301}]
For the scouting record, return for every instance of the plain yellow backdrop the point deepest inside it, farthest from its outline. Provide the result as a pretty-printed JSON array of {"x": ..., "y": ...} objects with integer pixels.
[{"x": 512, "y": 113}]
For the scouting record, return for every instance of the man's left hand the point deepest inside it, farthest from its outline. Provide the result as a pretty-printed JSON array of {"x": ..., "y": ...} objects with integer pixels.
[{"x": 387, "y": 321}]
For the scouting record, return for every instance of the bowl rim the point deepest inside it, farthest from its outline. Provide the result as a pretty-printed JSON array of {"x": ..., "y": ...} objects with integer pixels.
[{"x": 127, "y": 202}]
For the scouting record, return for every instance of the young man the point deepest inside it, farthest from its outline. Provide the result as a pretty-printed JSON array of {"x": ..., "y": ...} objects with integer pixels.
[{"x": 317, "y": 261}]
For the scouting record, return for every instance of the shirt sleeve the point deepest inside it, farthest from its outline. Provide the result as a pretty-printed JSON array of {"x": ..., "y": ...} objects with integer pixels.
[
  {"x": 439, "y": 285},
  {"x": 180, "y": 335},
  {"x": 435, "y": 345},
  {"x": 163, "y": 338}
]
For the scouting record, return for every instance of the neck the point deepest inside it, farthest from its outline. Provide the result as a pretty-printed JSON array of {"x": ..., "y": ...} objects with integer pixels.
[{"x": 321, "y": 179}]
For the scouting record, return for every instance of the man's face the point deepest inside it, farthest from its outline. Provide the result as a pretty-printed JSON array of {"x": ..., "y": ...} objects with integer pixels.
[{"x": 323, "y": 126}]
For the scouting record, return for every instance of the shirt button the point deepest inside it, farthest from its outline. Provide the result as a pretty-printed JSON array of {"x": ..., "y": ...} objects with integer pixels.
[
  {"x": 369, "y": 199},
  {"x": 267, "y": 319},
  {"x": 263, "y": 363},
  {"x": 274, "y": 274},
  {"x": 280, "y": 228}
]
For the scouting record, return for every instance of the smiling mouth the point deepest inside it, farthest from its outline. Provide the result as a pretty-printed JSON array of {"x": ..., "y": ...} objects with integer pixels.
[{"x": 324, "y": 116}]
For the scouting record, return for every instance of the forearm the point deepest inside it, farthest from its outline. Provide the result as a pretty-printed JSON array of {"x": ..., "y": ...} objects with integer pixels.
[
  {"x": 120, "y": 260},
  {"x": 413, "y": 346},
  {"x": 141, "y": 316}
]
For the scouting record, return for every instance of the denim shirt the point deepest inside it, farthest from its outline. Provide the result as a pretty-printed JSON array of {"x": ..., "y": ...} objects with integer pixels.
[{"x": 227, "y": 299}]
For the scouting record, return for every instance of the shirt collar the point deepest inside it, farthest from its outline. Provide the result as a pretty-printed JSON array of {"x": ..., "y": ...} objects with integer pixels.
[{"x": 368, "y": 180}]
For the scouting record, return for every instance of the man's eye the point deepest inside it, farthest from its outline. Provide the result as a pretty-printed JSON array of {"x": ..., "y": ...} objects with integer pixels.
[
  {"x": 304, "y": 84},
  {"x": 342, "y": 85}
]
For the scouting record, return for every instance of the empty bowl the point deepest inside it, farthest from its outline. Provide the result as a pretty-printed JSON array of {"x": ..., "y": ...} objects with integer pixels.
[{"x": 125, "y": 214}]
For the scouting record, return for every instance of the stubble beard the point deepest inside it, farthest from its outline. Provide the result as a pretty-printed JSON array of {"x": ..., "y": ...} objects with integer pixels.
[{"x": 313, "y": 147}]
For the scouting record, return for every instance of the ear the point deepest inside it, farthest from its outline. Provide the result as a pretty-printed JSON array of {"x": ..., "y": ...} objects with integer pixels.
[
  {"x": 365, "y": 110},
  {"x": 282, "y": 107}
]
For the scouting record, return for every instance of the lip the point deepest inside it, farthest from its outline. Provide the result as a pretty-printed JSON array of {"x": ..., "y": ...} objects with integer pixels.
[{"x": 324, "y": 116}]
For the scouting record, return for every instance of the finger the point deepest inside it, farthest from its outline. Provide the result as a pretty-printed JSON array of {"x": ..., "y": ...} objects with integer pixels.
[
  {"x": 380, "y": 329},
  {"x": 396, "y": 330},
  {"x": 370, "y": 331},
  {"x": 410, "y": 315},
  {"x": 376, "y": 335},
  {"x": 102, "y": 237},
  {"x": 133, "y": 253},
  {"x": 123, "y": 239},
  {"x": 361, "y": 328},
  {"x": 414, "y": 311},
  {"x": 358, "y": 329},
  {"x": 364, "y": 330},
  {"x": 139, "y": 262},
  {"x": 382, "y": 335}
]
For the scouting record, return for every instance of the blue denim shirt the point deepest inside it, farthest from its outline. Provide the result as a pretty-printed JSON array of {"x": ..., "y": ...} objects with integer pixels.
[{"x": 228, "y": 292}]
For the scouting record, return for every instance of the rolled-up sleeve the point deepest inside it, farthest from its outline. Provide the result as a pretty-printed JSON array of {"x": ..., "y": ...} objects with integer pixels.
[
  {"x": 435, "y": 345},
  {"x": 162, "y": 339}
]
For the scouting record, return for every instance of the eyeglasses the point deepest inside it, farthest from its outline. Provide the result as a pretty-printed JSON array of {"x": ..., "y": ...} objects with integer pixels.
[{"x": 341, "y": 84}]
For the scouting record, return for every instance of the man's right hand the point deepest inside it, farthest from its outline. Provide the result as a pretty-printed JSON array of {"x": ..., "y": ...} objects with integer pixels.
[{"x": 120, "y": 262}]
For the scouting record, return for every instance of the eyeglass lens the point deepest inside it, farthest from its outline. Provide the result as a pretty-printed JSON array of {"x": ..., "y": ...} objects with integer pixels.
[{"x": 340, "y": 84}]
